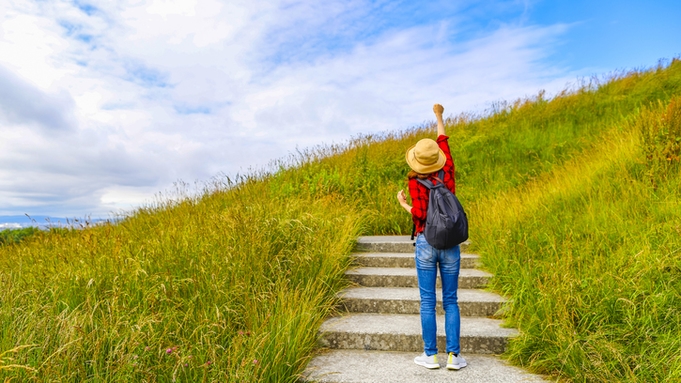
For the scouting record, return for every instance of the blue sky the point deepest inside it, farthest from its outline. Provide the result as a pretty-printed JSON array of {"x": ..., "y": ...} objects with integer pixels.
[
  {"x": 613, "y": 34},
  {"x": 108, "y": 106}
]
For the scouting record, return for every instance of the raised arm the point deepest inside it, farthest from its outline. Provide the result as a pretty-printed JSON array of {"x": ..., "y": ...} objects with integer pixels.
[{"x": 439, "y": 109}]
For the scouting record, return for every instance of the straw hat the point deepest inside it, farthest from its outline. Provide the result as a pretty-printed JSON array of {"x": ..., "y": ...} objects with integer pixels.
[{"x": 426, "y": 156}]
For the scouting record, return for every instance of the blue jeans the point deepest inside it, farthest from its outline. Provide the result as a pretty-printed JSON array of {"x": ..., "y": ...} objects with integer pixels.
[{"x": 427, "y": 261}]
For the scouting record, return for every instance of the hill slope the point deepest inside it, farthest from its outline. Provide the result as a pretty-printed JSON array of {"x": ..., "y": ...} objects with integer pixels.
[{"x": 575, "y": 206}]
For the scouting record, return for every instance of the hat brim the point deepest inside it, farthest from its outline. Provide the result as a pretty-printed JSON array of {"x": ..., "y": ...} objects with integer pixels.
[{"x": 418, "y": 167}]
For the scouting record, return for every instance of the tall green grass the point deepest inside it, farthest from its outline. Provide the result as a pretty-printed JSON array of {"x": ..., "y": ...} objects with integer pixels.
[
  {"x": 591, "y": 257},
  {"x": 573, "y": 203},
  {"x": 228, "y": 286}
]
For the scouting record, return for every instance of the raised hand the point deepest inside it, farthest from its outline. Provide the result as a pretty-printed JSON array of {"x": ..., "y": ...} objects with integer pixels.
[{"x": 438, "y": 109}]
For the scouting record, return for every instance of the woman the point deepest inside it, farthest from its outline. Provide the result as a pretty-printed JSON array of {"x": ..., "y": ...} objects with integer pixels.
[{"x": 426, "y": 158}]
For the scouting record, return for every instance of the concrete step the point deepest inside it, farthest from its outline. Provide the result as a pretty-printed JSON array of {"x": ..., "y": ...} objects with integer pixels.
[
  {"x": 406, "y": 300},
  {"x": 406, "y": 277},
  {"x": 359, "y": 366},
  {"x": 400, "y": 332},
  {"x": 391, "y": 244},
  {"x": 468, "y": 261}
]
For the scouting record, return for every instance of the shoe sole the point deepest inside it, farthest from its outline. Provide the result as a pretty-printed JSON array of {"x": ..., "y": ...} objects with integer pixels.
[
  {"x": 455, "y": 367},
  {"x": 426, "y": 365}
]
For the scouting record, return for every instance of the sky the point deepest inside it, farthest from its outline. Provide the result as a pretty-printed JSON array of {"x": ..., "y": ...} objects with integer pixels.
[{"x": 105, "y": 106}]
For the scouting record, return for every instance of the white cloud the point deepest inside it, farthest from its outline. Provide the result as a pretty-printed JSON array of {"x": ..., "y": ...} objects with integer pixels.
[
  {"x": 24, "y": 103},
  {"x": 139, "y": 94}
]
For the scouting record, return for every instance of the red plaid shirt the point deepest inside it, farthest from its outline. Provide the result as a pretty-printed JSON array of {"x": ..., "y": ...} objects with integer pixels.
[{"x": 420, "y": 194}]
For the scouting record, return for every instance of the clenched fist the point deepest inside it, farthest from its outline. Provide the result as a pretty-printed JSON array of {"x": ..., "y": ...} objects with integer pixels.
[{"x": 438, "y": 109}]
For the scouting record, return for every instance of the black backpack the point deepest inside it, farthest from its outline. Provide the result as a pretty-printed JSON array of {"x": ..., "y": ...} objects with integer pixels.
[{"x": 446, "y": 221}]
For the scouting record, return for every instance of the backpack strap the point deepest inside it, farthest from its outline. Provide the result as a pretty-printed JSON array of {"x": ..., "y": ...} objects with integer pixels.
[
  {"x": 440, "y": 176},
  {"x": 429, "y": 184}
]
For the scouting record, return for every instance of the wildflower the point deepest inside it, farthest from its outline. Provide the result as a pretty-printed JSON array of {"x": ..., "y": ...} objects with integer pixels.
[
  {"x": 255, "y": 361},
  {"x": 169, "y": 351},
  {"x": 208, "y": 363}
]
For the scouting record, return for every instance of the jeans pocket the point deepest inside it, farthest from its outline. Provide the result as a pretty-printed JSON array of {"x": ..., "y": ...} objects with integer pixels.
[
  {"x": 424, "y": 252},
  {"x": 451, "y": 258}
]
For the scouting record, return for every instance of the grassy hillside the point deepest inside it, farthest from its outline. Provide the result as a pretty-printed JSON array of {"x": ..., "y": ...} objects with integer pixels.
[
  {"x": 8, "y": 236},
  {"x": 228, "y": 286},
  {"x": 574, "y": 204}
]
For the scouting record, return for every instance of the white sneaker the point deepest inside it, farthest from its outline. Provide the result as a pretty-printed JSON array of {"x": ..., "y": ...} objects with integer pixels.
[
  {"x": 455, "y": 362},
  {"x": 427, "y": 361}
]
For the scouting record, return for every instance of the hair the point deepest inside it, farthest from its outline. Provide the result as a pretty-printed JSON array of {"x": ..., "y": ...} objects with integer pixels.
[{"x": 414, "y": 174}]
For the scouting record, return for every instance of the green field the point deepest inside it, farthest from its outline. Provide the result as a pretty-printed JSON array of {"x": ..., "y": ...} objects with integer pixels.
[{"x": 574, "y": 204}]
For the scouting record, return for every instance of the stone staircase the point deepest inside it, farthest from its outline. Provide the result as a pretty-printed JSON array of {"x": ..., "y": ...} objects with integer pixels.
[{"x": 379, "y": 334}]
